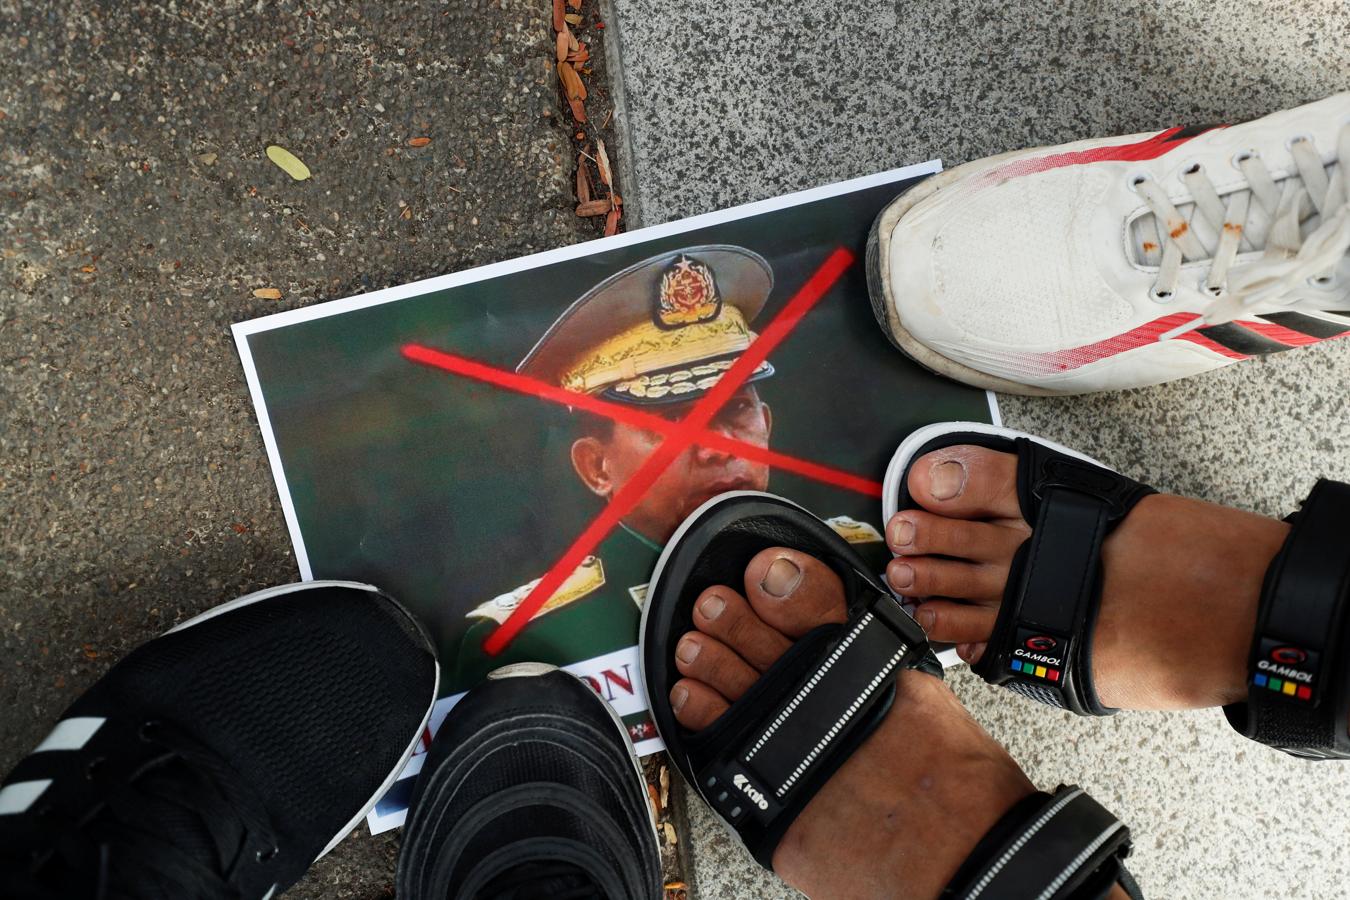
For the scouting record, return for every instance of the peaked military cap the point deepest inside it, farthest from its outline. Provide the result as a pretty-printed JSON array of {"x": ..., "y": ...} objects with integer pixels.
[{"x": 662, "y": 331}]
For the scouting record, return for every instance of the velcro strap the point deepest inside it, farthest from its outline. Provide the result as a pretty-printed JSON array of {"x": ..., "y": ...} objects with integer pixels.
[
  {"x": 1297, "y": 694},
  {"x": 818, "y": 722},
  {"x": 1048, "y": 847},
  {"x": 1041, "y": 641}
]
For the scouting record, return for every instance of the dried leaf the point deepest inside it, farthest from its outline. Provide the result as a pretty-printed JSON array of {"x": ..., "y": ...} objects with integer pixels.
[
  {"x": 558, "y": 15},
  {"x": 419, "y": 141},
  {"x": 575, "y": 4},
  {"x": 563, "y": 47},
  {"x": 654, "y": 797},
  {"x": 583, "y": 181},
  {"x": 572, "y": 19},
  {"x": 579, "y": 57},
  {"x": 572, "y": 43},
  {"x": 288, "y": 162},
  {"x": 669, "y": 831},
  {"x": 87, "y": 269},
  {"x": 594, "y": 207},
  {"x": 665, "y": 786},
  {"x": 267, "y": 293},
  {"x": 612, "y": 222},
  {"x": 571, "y": 82},
  {"x": 578, "y": 109},
  {"x": 602, "y": 160}
]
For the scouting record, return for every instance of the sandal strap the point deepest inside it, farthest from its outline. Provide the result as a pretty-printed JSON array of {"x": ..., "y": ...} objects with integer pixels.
[
  {"x": 1299, "y": 664},
  {"x": 1041, "y": 643},
  {"x": 819, "y": 714},
  {"x": 1061, "y": 846}
]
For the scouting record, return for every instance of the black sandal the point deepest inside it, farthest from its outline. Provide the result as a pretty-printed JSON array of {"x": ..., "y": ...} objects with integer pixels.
[
  {"x": 764, "y": 758},
  {"x": 1041, "y": 645},
  {"x": 1298, "y": 689}
]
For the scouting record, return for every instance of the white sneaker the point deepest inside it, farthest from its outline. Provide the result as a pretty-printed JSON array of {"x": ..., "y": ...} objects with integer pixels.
[{"x": 1122, "y": 262}]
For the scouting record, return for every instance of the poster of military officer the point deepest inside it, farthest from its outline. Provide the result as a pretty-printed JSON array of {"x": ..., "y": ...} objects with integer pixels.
[{"x": 457, "y": 486}]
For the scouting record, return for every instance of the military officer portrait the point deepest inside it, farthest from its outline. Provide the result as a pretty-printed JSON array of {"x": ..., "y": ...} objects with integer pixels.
[{"x": 656, "y": 336}]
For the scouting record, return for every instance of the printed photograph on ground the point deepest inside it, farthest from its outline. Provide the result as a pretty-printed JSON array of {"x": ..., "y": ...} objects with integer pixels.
[{"x": 506, "y": 450}]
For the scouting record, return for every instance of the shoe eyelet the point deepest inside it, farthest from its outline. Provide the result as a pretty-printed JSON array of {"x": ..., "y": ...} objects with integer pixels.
[
  {"x": 1321, "y": 282},
  {"x": 1242, "y": 156},
  {"x": 1136, "y": 180},
  {"x": 147, "y": 730},
  {"x": 1158, "y": 296},
  {"x": 266, "y": 856},
  {"x": 1192, "y": 168},
  {"x": 1297, "y": 138},
  {"x": 91, "y": 768}
]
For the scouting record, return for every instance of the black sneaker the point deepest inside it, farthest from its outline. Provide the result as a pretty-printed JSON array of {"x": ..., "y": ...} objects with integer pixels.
[
  {"x": 222, "y": 758},
  {"x": 531, "y": 790}
]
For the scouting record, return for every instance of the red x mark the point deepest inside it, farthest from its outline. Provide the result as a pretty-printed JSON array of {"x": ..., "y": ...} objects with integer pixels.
[{"x": 693, "y": 428}]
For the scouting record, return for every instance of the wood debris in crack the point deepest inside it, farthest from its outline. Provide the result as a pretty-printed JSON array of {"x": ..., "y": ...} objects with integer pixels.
[{"x": 594, "y": 198}]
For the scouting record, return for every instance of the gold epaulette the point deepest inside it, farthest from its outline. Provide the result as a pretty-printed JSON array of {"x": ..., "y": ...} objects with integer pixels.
[
  {"x": 853, "y": 531},
  {"x": 585, "y": 579}
]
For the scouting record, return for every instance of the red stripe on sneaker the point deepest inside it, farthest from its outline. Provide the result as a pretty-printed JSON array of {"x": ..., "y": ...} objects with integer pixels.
[
  {"x": 1280, "y": 333},
  {"x": 1150, "y": 148},
  {"x": 1074, "y": 357},
  {"x": 1196, "y": 337}
]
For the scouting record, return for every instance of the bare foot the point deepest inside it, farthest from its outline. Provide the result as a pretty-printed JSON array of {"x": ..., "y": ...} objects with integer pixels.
[
  {"x": 1179, "y": 596},
  {"x": 904, "y": 811}
]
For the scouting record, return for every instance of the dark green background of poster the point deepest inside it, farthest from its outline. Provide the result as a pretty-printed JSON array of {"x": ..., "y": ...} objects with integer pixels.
[{"x": 448, "y": 492}]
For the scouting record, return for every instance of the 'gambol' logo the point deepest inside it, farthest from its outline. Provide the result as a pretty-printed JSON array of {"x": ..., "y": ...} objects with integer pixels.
[
  {"x": 1288, "y": 656},
  {"x": 1041, "y": 643}
]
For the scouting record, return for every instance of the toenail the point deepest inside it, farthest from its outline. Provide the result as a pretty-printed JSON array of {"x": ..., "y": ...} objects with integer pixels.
[
  {"x": 782, "y": 578},
  {"x": 926, "y": 617},
  {"x": 902, "y": 533},
  {"x": 948, "y": 479},
  {"x": 677, "y": 698},
  {"x": 965, "y": 651},
  {"x": 687, "y": 650},
  {"x": 712, "y": 607},
  {"x": 901, "y": 576}
]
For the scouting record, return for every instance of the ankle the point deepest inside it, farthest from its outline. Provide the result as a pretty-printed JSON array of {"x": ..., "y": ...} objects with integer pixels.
[
  {"x": 922, "y": 791},
  {"x": 1182, "y": 585}
]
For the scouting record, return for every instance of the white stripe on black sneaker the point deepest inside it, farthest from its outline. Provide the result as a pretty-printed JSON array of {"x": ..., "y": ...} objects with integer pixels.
[
  {"x": 71, "y": 734},
  {"x": 17, "y": 797}
]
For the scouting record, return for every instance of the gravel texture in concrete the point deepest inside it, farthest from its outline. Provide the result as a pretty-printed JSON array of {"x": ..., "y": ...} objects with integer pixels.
[
  {"x": 139, "y": 214},
  {"x": 735, "y": 101}
]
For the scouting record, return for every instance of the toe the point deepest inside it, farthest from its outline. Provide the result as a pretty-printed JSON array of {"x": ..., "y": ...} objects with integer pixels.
[
  {"x": 695, "y": 705},
  {"x": 971, "y": 653},
  {"x": 956, "y": 623},
  {"x": 710, "y": 661},
  {"x": 723, "y": 614},
  {"x": 916, "y": 532},
  {"x": 966, "y": 482},
  {"x": 931, "y": 576},
  {"x": 793, "y": 592}
]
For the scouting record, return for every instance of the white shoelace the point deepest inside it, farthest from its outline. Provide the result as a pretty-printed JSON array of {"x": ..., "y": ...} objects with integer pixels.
[{"x": 1264, "y": 216}]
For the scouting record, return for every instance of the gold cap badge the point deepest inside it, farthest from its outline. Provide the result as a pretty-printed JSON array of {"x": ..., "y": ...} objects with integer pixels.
[{"x": 688, "y": 294}]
